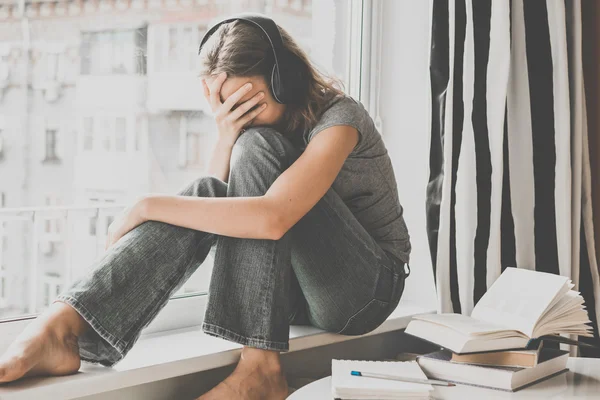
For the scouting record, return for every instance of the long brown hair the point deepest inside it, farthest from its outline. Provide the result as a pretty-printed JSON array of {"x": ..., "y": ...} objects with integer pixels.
[{"x": 241, "y": 50}]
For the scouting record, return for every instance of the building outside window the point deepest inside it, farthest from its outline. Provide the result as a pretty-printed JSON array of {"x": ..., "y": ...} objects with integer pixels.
[{"x": 125, "y": 146}]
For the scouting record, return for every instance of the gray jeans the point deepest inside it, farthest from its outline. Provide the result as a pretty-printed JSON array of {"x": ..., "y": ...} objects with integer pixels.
[{"x": 326, "y": 271}]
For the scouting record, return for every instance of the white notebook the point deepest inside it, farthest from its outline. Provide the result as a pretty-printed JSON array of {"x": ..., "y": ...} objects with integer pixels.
[{"x": 348, "y": 387}]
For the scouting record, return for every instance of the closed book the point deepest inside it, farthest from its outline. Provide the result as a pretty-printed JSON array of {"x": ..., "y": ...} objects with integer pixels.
[
  {"x": 506, "y": 358},
  {"x": 438, "y": 365},
  {"x": 521, "y": 305}
]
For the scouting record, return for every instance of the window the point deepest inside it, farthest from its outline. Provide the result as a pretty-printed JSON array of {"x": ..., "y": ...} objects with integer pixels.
[
  {"x": 51, "y": 140},
  {"x": 52, "y": 287},
  {"x": 52, "y": 225},
  {"x": 113, "y": 52},
  {"x": 175, "y": 48},
  {"x": 109, "y": 134},
  {"x": 120, "y": 147}
]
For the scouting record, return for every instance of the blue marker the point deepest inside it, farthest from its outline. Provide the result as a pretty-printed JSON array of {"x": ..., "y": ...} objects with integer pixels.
[{"x": 401, "y": 378}]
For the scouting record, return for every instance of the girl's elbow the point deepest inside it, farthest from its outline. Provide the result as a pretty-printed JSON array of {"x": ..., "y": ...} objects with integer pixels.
[{"x": 277, "y": 227}]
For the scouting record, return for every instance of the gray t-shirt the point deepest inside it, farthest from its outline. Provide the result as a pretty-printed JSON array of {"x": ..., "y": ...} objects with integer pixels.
[{"x": 366, "y": 182}]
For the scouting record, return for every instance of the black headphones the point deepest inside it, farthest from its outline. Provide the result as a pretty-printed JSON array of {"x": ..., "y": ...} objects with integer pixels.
[{"x": 288, "y": 81}]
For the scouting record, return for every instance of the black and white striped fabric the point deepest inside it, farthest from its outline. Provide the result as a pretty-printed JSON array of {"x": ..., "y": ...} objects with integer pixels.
[{"x": 509, "y": 177}]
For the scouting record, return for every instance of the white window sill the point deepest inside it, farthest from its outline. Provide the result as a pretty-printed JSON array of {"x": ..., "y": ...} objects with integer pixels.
[{"x": 175, "y": 353}]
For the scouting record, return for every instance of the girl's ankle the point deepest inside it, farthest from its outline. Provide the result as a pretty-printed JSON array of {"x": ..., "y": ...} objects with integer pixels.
[
  {"x": 266, "y": 359},
  {"x": 64, "y": 320}
]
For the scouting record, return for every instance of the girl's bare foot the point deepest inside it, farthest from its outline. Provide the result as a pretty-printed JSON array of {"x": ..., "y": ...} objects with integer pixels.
[
  {"x": 258, "y": 375},
  {"x": 48, "y": 346}
]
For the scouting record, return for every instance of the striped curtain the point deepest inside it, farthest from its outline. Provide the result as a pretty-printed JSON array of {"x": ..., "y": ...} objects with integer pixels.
[{"x": 509, "y": 182}]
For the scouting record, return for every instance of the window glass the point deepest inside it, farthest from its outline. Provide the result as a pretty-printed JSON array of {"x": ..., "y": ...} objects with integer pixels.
[{"x": 116, "y": 80}]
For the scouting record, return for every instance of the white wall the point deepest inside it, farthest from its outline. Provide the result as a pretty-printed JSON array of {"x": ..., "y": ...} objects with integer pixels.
[{"x": 404, "y": 110}]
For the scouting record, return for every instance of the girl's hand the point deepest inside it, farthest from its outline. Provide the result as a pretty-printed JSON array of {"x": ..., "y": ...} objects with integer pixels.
[
  {"x": 231, "y": 123},
  {"x": 131, "y": 217}
]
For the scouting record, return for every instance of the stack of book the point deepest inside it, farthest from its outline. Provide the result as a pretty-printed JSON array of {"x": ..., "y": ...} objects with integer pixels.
[{"x": 500, "y": 345}]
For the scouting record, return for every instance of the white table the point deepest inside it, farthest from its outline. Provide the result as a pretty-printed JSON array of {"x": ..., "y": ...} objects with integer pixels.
[{"x": 581, "y": 382}]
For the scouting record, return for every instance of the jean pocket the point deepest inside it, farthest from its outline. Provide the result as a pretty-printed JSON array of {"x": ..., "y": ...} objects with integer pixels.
[{"x": 373, "y": 314}]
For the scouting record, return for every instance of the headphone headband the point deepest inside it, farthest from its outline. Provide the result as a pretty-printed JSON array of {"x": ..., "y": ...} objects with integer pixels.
[{"x": 265, "y": 24}]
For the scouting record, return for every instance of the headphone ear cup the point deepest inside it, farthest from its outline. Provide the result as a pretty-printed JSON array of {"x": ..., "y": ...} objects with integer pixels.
[
  {"x": 289, "y": 80},
  {"x": 276, "y": 85}
]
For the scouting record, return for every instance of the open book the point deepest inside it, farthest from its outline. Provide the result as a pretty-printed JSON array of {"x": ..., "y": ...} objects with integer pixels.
[{"x": 519, "y": 306}]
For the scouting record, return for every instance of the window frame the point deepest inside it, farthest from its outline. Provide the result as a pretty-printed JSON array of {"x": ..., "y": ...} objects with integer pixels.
[{"x": 186, "y": 310}]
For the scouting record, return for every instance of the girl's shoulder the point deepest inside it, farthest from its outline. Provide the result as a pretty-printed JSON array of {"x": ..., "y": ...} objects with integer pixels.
[
  {"x": 341, "y": 103},
  {"x": 343, "y": 110}
]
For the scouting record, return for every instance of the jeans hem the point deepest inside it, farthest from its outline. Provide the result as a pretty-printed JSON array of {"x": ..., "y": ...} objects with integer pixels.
[
  {"x": 113, "y": 341},
  {"x": 223, "y": 333}
]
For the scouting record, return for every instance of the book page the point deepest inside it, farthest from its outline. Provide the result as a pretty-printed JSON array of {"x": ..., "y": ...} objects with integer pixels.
[
  {"x": 519, "y": 298},
  {"x": 566, "y": 305},
  {"x": 464, "y": 324}
]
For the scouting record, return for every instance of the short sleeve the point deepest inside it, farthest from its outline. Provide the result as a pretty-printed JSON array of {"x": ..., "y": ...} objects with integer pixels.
[{"x": 344, "y": 111}]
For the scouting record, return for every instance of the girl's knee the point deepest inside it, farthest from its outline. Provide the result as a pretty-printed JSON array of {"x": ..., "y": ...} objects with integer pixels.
[
  {"x": 260, "y": 142},
  {"x": 259, "y": 157},
  {"x": 206, "y": 186}
]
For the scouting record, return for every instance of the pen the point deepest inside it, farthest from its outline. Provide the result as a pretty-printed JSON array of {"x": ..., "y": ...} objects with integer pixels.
[{"x": 402, "y": 379}]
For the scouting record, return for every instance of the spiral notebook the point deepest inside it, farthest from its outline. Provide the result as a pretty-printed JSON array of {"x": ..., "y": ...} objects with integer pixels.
[{"x": 347, "y": 387}]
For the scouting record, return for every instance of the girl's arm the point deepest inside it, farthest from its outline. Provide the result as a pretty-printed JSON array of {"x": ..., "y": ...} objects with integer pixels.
[
  {"x": 229, "y": 122},
  {"x": 220, "y": 159},
  {"x": 270, "y": 216}
]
